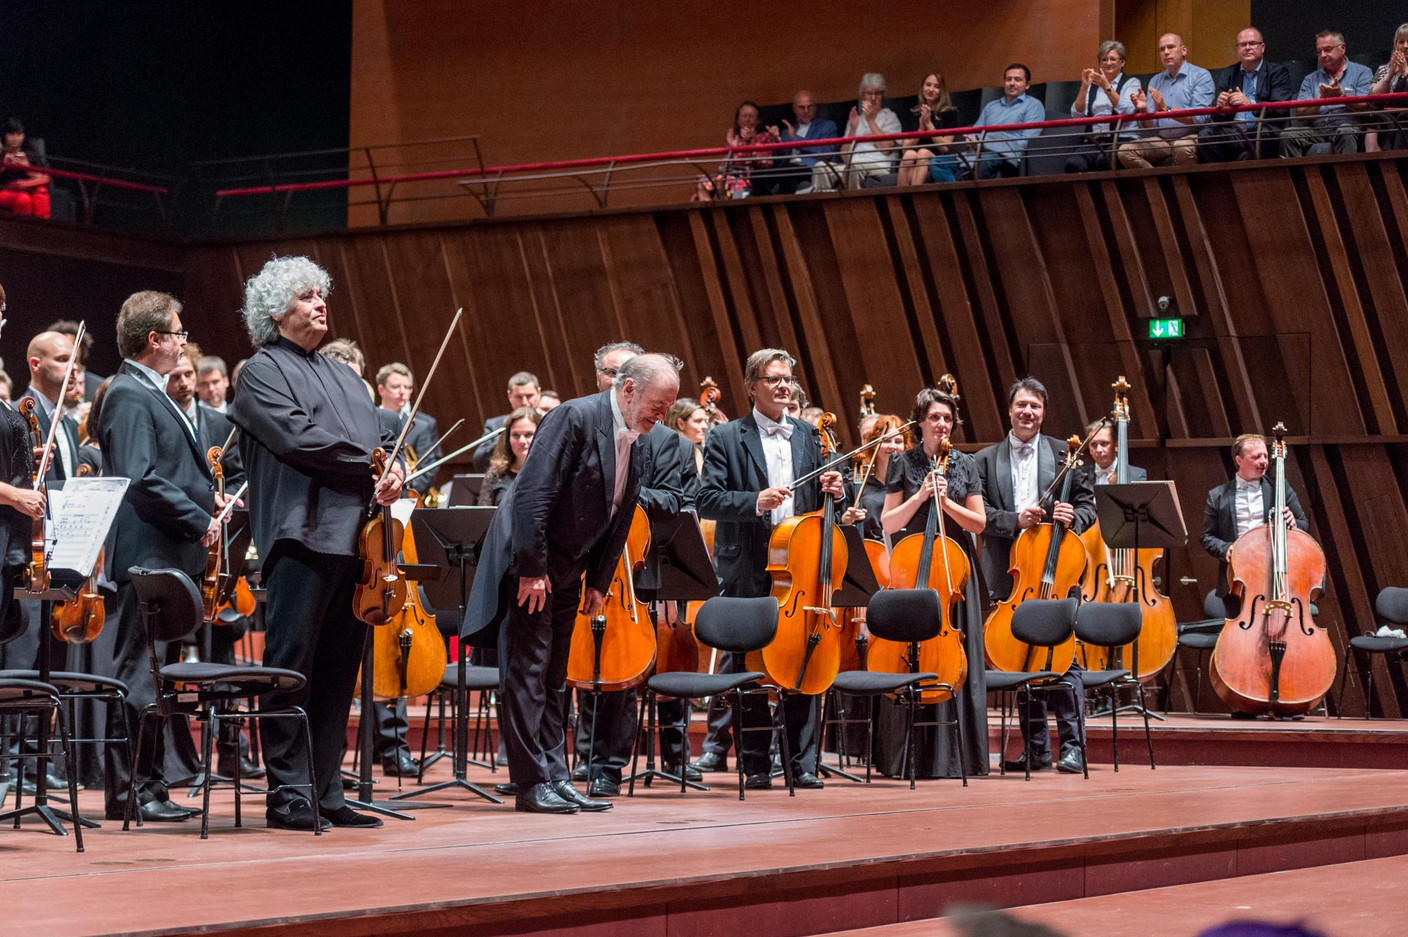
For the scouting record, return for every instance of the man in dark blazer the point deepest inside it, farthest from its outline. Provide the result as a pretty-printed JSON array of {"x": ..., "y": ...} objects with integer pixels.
[
  {"x": 1249, "y": 80},
  {"x": 394, "y": 386},
  {"x": 1015, "y": 474},
  {"x": 1104, "y": 457},
  {"x": 567, "y": 515},
  {"x": 165, "y": 521},
  {"x": 48, "y": 355},
  {"x": 523, "y": 390},
  {"x": 749, "y": 465},
  {"x": 1244, "y": 502}
]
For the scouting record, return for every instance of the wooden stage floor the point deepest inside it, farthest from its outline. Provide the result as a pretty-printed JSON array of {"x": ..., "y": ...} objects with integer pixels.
[{"x": 672, "y": 865}]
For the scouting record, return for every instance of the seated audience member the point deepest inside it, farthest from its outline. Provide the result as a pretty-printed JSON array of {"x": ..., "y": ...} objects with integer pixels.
[
  {"x": 1250, "y": 80},
  {"x": 523, "y": 390},
  {"x": 1002, "y": 150},
  {"x": 869, "y": 117},
  {"x": 735, "y": 178},
  {"x": 935, "y": 111},
  {"x": 509, "y": 453},
  {"x": 548, "y": 400},
  {"x": 1391, "y": 79},
  {"x": 23, "y": 191},
  {"x": 1180, "y": 86},
  {"x": 212, "y": 382},
  {"x": 793, "y": 169},
  {"x": 1336, "y": 77},
  {"x": 1104, "y": 90}
]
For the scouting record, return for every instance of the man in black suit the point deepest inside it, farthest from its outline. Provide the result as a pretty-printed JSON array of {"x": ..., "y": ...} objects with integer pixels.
[
  {"x": 567, "y": 515},
  {"x": 1015, "y": 475},
  {"x": 1249, "y": 80},
  {"x": 307, "y": 432},
  {"x": 165, "y": 521},
  {"x": 749, "y": 465},
  {"x": 394, "y": 386},
  {"x": 1244, "y": 502},
  {"x": 49, "y": 354},
  {"x": 523, "y": 390},
  {"x": 604, "y": 751},
  {"x": 1105, "y": 457}
]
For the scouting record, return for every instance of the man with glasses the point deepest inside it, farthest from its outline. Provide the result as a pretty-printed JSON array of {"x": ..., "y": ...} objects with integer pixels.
[
  {"x": 1336, "y": 77},
  {"x": 1250, "y": 80},
  {"x": 798, "y": 164}
]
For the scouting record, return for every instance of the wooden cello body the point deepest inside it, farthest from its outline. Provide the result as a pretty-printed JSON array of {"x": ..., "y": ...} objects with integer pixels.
[
  {"x": 1273, "y": 659},
  {"x": 615, "y": 649},
  {"x": 1047, "y": 561}
]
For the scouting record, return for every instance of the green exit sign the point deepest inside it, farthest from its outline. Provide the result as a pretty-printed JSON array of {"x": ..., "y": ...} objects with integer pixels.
[{"x": 1164, "y": 329}]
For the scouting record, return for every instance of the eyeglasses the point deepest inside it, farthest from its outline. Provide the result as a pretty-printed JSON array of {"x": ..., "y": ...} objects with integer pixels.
[
  {"x": 775, "y": 380},
  {"x": 182, "y": 335},
  {"x": 609, "y": 372},
  {"x": 1249, "y": 45}
]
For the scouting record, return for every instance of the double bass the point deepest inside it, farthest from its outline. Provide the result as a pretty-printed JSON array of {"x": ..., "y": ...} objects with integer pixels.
[
  {"x": 615, "y": 649},
  {"x": 1047, "y": 562},
  {"x": 930, "y": 560},
  {"x": 1120, "y": 575},
  {"x": 1273, "y": 658}
]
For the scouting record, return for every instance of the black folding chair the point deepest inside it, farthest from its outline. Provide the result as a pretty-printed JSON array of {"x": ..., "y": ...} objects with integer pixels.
[
  {"x": 24, "y": 698},
  {"x": 1392, "y": 608},
  {"x": 1200, "y": 637},
  {"x": 1111, "y": 625}
]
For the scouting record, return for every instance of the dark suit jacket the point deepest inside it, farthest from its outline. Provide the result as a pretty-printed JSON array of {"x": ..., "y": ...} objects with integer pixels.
[
  {"x": 995, "y": 476},
  {"x": 556, "y": 520},
  {"x": 68, "y": 427},
  {"x": 212, "y": 429},
  {"x": 735, "y": 470},
  {"x": 1273, "y": 84},
  {"x": 1220, "y": 520},
  {"x": 171, "y": 497},
  {"x": 485, "y": 450},
  {"x": 422, "y": 436},
  {"x": 1136, "y": 474}
]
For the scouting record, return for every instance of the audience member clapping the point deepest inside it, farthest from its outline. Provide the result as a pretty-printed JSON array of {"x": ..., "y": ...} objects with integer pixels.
[
  {"x": 1105, "y": 90},
  {"x": 1251, "y": 80},
  {"x": 735, "y": 177},
  {"x": 869, "y": 117},
  {"x": 1002, "y": 150},
  {"x": 1180, "y": 86},
  {"x": 795, "y": 167},
  {"x": 1336, "y": 77},
  {"x": 935, "y": 111},
  {"x": 23, "y": 191},
  {"x": 1391, "y": 79}
]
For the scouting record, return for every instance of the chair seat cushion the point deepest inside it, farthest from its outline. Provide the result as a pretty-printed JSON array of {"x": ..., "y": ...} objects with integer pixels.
[
  {"x": 1007, "y": 679},
  {"x": 1368, "y": 642},
  {"x": 13, "y": 689},
  {"x": 259, "y": 679},
  {"x": 683, "y": 684},
  {"x": 1092, "y": 678},
  {"x": 71, "y": 683},
  {"x": 1198, "y": 640},
  {"x": 475, "y": 678},
  {"x": 1206, "y": 626},
  {"x": 869, "y": 683}
]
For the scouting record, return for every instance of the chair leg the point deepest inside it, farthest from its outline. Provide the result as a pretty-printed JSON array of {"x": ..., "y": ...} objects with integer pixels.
[
  {"x": 737, "y": 702},
  {"x": 958, "y": 733},
  {"x": 130, "y": 810},
  {"x": 684, "y": 742},
  {"x": 1369, "y": 690},
  {"x": 71, "y": 769},
  {"x": 207, "y": 766},
  {"x": 239, "y": 778},
  {"x": 780, "y": 721},
  {"x": 313, "y": 797},
  {"x": 635, "y": 746},
  {"x": 1078, "y": 700},
  {"x": 1198, "y": 682},
  {"x": 1344, "y": 683},
  {"x": 908, "y": 758},
  {"x": 869, "y": 736},
  {"x": 1115, "y": 724},
  {"x": 1148, "y": 736}
]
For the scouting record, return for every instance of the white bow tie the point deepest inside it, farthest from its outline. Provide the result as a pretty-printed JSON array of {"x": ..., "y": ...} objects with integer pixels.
[
  {"x": 1244, "y": 485},
  {"x": 779, "y": 430}
]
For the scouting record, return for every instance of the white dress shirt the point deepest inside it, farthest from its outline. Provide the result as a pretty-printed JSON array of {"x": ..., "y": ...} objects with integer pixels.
[
  {"x": 1251, "y": 512},
  {"x": 625, "y": 438},
  {"x": 777, "y": 451},
  {"x": 1024, "y": 472}
]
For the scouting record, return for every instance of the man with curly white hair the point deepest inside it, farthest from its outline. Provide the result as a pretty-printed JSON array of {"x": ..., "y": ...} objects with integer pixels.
[{"x": 308, "y": 429}]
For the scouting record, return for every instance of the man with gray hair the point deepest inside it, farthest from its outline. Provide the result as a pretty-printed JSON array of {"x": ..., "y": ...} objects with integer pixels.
[
  {"x": 551, "y": 550},
  {"x": 307, "y": 433},
  {"x": 523, "y": 389},
  {"x": 1336, "y": 77}
]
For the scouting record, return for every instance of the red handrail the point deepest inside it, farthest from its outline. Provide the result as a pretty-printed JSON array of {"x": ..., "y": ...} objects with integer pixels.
[
  {"x": 720, "y": 151},
  {"x": 102, "y": 180}
]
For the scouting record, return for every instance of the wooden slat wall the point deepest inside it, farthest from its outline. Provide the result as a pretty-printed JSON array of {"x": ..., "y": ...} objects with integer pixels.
[{"x": 1291, "y": 278}]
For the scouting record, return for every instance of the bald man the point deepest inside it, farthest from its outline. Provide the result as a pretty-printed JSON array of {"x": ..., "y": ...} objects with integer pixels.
[{"x": 49, "y": 354}]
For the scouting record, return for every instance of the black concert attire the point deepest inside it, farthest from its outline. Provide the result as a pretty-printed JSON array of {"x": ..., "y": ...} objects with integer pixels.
[
  {"x": 561, "y": 520},
  {"x": 1220, "y": 528},
  {"x": 17, "y": 469},
  {"x": 166, "y": 510},
  {"x": 934, "y": 754},
  {"x": 485, "y": 450},
  {"x": 495, "y": 487},
  {"x": 663, "y": 493},
  {"x": 421, "y": 439},
  {"x": 1224, "y": 139},
  {"x": 735, "y": 471},
  {"x": 307, "y": 431},
  {"x": 872, "y": 500},
  {"x": 999, "y": 501}
]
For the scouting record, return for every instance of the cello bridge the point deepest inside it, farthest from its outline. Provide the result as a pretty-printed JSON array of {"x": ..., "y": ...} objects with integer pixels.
[{"x": 828, "y": 613}]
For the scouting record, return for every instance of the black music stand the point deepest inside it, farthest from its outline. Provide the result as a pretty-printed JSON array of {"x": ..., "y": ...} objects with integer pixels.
[
  {"x": 464, "y": 491},
  {"x": 1140, "y": 515},
  {"x": 448, "y": 539}
]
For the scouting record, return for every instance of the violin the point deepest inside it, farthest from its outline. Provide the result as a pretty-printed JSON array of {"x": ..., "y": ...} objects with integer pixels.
[
  {"x": 1273, "y": 658},
  {"x": 37, "y": 574},
  {"x": 1046, "y": 563},
  {"x": 615, "y": 649},
  {"x": 79, "y": 620},
  {"x": 1122, "y": 576},
  {"x": 867, "y": 401},
  {"x": 807, "y": 560},
  {"x": 381, "y": 590},
  {"x": 409, "y": 656},
  {"x": 930, "y": 560},
  {"x": 212, "y": 582}
]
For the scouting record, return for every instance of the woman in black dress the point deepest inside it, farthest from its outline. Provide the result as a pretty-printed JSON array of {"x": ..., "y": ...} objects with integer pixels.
[
  {"x": 871, "y": 477},
  {"x": 509, "y": 452},
  {"x": 908, "y": 500},
  {"x": 20, "y": 505}
]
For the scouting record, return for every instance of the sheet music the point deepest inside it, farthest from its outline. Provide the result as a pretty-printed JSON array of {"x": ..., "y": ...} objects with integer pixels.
[{"x": 83, "y": 510}]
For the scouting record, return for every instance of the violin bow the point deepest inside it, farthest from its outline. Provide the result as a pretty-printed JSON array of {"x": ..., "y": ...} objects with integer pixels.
[
  {"x": 59, "y": 407},
  {"x": 841, "y": 460},
  {"x": 420, "y": 395},
  {"x": 422, "y": 469}
]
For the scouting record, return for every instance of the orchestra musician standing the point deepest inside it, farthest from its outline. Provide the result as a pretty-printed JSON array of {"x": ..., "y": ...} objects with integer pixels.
[
  {"x": 1015, "y": 473},
  {"x": 1103, "y": 455},
  {"x": 307, "y": 431},
  {"x": 567, "y": 514},
  {"x": 749, "y": 467}
]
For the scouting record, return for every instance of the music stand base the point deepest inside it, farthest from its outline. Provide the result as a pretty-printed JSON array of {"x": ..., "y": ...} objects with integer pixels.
[
  {"x": 830, "y": 770},
  {"x": 455, "y": 783}
]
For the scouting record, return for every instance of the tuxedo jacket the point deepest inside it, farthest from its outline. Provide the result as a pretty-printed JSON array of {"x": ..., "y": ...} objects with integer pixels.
[
  {"x": 735, "y": 470},
  {"x": 171, "y": 496},
  {"x": 68, "y": 427},
  {"x": 995, "y": 477},
  {"x": 212, "y": 429},
  {"x": 1220, "y": 520},
  {"x": 1136, "y": 474},
  {"x": 556, "y": 520}
]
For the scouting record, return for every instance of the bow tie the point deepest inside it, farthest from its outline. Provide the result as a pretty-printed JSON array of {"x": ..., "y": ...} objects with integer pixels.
[
  {"x": 778, "y": 431},
  {"x": 1244, "y": 485},
  {"x": 1022, "y": 450}
]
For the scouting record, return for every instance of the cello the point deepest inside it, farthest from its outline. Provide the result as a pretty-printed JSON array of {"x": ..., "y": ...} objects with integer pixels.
[
  {"x": 1273, "y": 658},
  {"x": 914, "y": 565},
  {"x": 1046, "y": 564},
  {"x": 615, "y": 649},
  {"x": 1120, "y": 575}
]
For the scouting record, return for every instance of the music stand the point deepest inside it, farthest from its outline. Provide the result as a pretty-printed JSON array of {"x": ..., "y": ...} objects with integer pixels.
[
  {"x": 448, "y": 539},
  {"x": 1140, "y": 516},
  {"x": 464, "y": 491}
]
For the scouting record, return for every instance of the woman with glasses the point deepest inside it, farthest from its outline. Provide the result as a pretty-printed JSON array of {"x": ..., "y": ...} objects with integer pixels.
[{"x": 1105, "y": 91}]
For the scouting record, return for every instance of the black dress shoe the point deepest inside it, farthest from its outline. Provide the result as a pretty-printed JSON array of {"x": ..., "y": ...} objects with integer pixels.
[
  {"x": 508, "y": 788},
  {"x": 296, "y": 816},
  {"x": 758, "y": 782},
  {"x": 541, "y": 798},
  {"x": 711, "y": 761},
  {"x": 601, "y": 787},
  {"x": 808, "y": 781},
  {"x": 1240, "y": 715},
  {"x": 1020, "y": 764},
  {"x": 400, "y": 765},
  {"x": 691, "y": 773},
  {"x": 249, "y": 770},
  {"x": 579, "y": 773},
  {"x": 154, "y": 811},
  {"x": 346, "y": 816},
  {"x": 1070, "y": 762},
  {"x": 567, "y": 792}
]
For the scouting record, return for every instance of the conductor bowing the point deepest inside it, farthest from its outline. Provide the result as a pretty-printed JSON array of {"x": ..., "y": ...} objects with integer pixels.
[{"x": 567, "y": 515}]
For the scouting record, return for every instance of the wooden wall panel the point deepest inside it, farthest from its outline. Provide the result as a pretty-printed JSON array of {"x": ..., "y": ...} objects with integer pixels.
[{"x": 1053, "y": 277}]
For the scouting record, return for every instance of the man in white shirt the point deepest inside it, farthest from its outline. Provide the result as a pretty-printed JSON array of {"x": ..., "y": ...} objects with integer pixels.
[{"x": 48, "y": 357}]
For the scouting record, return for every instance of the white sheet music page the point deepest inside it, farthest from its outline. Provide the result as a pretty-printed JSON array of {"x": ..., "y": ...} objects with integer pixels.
[{"x": 83, "y": 511}]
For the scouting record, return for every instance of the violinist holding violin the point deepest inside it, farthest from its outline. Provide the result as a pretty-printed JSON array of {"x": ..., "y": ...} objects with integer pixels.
[
  {"x": 1014, "y": 475},
  {"x": 308, "y": 429},
  {"x": 20, "y": 505},
  {"x": 749, "y": 465}
]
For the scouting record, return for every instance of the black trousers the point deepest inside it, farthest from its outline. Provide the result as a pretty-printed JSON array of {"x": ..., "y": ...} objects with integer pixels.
[
  {"x": 533, "y": 651},
  {"x": 754, "y": 748},
  {"x": 607, "y": 748},
  {"x": 1069, "y": 725},
  {"x": 310, "y": 628},
  {"x": 391, "y": 725},
  {"x": 1230, "y": 141}
]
